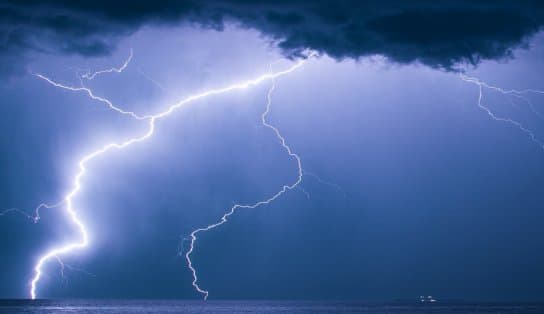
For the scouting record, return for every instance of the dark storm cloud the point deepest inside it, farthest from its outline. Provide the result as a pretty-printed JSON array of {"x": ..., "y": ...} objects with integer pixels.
[{"x": 436, "y": 33}]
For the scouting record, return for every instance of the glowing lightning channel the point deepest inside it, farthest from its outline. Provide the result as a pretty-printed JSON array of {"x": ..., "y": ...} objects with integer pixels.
[
  {"x": 54, "y": 253},
  {"x": 231, "y": 211},
  {"x": 325, "y": 182},
  {"x": 512, "y": 92},
  {"x": 19, "y": 211},
  {"x": 120, "y": 69},
  {"x": 33, "y": 217},
  {"x": 90, "y": 93}
]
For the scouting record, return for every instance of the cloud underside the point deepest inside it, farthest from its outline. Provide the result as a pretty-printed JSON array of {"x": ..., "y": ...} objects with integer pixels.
[{"x": 439, "y": 34}]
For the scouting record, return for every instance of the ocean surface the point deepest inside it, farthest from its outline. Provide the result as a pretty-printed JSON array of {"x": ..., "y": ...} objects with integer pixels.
[{"x": 175, "y": 306}]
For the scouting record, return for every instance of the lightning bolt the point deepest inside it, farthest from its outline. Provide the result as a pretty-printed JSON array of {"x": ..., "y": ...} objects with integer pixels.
[
  {"x": 19, "y": 211},
  {"x": 153, "y": 81},
  {"x": 33, "y": 217},
  {"x": 68, "y": 200},
  {"x": 120, "y": 69},
  {"x": 232, "y": 210},
  {"x": 90, "y": 93},
  {"x": 511, "y": 92},
  {"x": 64, "y": 266},
  {"x": 325, "y": 182}
]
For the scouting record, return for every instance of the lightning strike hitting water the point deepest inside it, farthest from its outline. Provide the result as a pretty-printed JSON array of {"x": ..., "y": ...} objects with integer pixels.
[
  {"x": 233, "y": 209},
  {"x": 510, "y": 92},
  {"x": 83, "y": 241}
]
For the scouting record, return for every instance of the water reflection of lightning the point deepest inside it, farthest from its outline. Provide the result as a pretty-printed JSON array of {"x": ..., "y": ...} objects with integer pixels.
[
  {"x": 520, "y": 94},
  {"x": 68, "y": 200},
  {"x": 232, "y": 210}
]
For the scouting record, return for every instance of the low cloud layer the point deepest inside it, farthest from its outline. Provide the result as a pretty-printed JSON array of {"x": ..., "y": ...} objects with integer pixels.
[{"x": 440, "y": 34}]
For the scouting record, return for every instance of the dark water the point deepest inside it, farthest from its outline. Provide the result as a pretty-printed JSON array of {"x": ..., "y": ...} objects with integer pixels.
[{"x": 169, "y": 306}]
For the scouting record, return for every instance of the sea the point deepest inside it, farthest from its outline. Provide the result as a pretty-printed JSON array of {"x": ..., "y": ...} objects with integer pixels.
[{"x": 179, "y": 306}]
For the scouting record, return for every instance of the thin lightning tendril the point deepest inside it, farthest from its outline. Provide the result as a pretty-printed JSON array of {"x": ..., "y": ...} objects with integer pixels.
[
  {"x": 232, "y": 210},
  {"x": 33, "y": 217},
  {"x": 512, "y": 92},
  {"x": 19, "y": 211},
  {"x": 325, "y": 182},
  {"x": 83, "y": 241},
  {"x": 153, "y": 81},
  {"x": 90, "y": 93},
  {"x": 120, "y": 69}
]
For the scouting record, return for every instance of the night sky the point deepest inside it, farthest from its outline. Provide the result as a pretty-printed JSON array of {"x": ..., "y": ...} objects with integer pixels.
[{"x": 410, "y": 187}]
